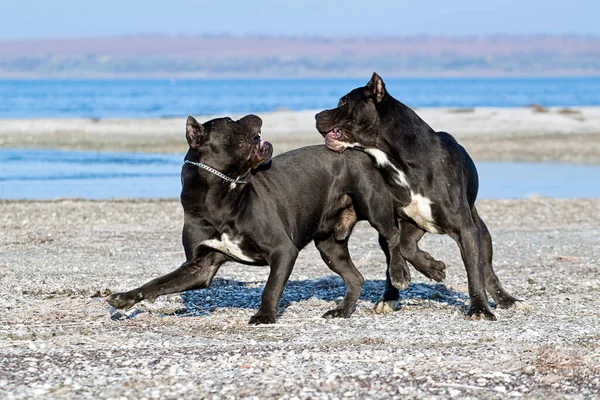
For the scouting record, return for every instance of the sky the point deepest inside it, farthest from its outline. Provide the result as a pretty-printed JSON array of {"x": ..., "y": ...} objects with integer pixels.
[{"x": 27, "y": 19}]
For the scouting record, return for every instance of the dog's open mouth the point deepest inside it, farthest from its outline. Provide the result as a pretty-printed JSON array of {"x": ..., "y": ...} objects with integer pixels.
[
  {"x": 333, "y": 140},
  {"x": 261, "y": 153}
]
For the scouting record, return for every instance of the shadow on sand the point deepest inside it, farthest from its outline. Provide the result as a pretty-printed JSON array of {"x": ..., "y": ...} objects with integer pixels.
[{"x": 225, "y": 293}]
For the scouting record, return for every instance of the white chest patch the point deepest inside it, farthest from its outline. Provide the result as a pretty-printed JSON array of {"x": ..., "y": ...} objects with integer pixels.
[
  {"x": 231, "y": 247},
  {"x": 382, "y": 161},
  {"x": 419, "y": 210}
]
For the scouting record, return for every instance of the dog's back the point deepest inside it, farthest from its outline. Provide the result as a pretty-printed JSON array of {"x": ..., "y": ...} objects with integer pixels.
[
  {"x": 462, "y": 162},
  {"x": 307, "y": 188}
]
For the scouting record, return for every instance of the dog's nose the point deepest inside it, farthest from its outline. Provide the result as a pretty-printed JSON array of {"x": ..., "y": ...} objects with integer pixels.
[{"x": 317, "y": 116}]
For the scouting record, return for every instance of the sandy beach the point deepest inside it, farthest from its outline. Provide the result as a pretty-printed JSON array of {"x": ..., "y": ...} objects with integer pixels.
[
  {"x": 59, "y": 259},
  {"x": 489, "y": 134}
]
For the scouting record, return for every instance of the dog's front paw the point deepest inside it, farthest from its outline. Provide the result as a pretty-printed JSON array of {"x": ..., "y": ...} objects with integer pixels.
[
  {"x": 515, "y": 304},
  {"x": 511, "y": 302},
  {"x": 386, "y": 306},
  {"x": 124, "y": 300},
  {"x": 261, "y": 319},
  {"x": 521, "y": 305},
  {"x": 436, "y": 270},
  {"x": 337, "y": 313},
  {"x": 480, "y": 313}
]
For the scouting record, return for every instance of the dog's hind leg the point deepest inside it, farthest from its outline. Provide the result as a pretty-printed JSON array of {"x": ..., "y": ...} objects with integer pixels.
[
  {"x": 492, "y": 283},
  {"x": 194, "y": 274},
  {"x": 376, "y": 206},
  {"x": 468, "y": 236},
  {"x": 385, "y": 224},
  {"x": 337, "y": 258},
  {"x": 421, "y": 260},
  {"x": 388, "y": 303}
]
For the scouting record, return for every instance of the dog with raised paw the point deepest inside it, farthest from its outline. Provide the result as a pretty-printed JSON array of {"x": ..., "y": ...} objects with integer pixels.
[
  {"x": 433, "y": 180},
  {"x": 239, "y": 207}
]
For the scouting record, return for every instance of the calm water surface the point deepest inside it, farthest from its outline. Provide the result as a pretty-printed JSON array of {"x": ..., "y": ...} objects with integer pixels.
[
  {"x": 103, "y": 98},
  {"x": 51, "y": 174}
]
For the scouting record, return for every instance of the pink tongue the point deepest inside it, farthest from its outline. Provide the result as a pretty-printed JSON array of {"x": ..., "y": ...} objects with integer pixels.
[{"x": 333, "y": 135}]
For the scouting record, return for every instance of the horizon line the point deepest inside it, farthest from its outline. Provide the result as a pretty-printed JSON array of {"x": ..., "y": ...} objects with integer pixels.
[{"x": 225, "y": 35}]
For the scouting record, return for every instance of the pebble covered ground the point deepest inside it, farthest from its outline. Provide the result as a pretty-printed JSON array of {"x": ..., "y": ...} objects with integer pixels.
[{"x": 59, "y": 259}]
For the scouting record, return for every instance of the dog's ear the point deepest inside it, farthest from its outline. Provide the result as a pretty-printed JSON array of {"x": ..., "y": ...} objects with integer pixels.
[
  {"x": 193, "y": 132},
  {"x": 375, "y": 87}
]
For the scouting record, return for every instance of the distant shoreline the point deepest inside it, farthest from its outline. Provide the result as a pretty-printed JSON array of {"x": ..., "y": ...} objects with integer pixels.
[
  {"x": 536, "y": 134},
  {"x": 301, "y": 56}
]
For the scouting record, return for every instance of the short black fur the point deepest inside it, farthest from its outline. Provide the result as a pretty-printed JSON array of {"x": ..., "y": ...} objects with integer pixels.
[
  {"x": 432, "y": 177},
  {"x": 303, "y": 195}
]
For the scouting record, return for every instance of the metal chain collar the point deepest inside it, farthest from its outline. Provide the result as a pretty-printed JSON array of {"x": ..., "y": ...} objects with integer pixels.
[{"x": 214, "y": 171}]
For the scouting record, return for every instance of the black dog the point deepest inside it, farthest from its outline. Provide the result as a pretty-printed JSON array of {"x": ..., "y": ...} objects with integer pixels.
[
  {"x": 433, "y": 179},
  {"x": 266, "y": 217}
]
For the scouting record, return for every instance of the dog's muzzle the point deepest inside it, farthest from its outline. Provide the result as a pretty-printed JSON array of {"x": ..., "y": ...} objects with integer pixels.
[
  {"x": 333, "y": 140},
  {"x": 265, "y": 151}
]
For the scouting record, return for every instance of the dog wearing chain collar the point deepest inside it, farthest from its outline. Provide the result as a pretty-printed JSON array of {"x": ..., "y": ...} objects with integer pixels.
[{"x": 238, "y": 207}]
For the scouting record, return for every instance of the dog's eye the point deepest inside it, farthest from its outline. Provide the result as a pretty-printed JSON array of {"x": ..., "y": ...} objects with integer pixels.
[{"x": 342, "y": 102}]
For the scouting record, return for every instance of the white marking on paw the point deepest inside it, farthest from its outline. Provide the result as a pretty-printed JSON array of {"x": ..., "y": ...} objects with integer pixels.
[
  {"x": 227, "y": 246},
  {"x": 419, "y": 210},
  {"x": 521, "y": 305},
  {"x": 385, "y": 307},
  {"x": 382, "y": 161}
]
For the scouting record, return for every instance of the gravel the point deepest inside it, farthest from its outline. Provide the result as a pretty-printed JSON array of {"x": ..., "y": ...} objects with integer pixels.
[{"x": 59, "y": 259}]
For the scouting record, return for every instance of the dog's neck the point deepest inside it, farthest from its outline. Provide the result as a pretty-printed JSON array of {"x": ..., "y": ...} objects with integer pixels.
[
  {"x": 211, "y": 190},
  {"x": 408, "y": 135},
  {"x": 233, "y": 181},
  {"x": 232, "y": 178}
]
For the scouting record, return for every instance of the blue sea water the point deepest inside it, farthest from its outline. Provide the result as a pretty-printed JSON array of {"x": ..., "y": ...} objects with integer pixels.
[
  {"x": 48, "y": 174},
  {"x": 111, "y": 98},
  {"x": 51, "y": 174}
]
